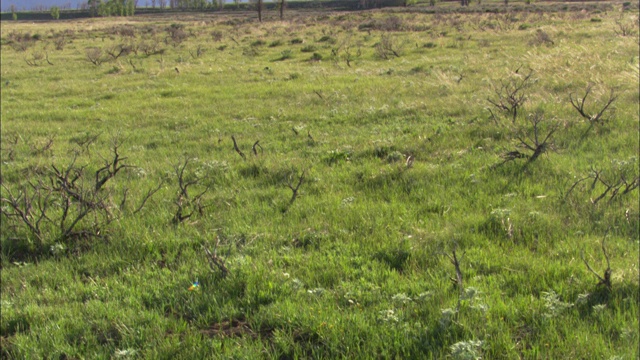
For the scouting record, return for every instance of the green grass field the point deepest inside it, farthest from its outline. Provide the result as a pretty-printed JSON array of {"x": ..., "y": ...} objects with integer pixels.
[{"x": 388, "y": 157}]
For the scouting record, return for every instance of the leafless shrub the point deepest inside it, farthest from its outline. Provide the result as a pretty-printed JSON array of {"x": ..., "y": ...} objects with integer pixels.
[
  {"x": 294, "y": 189},
  {"x": 95, "y": 55},
  {"x": 349, "y": 54},
  {"x": 597, "y": 117},
  {"x": 535, "y": 137},
  {"x": 28, "y": 207},
  {"x": 60, "y": 42},
  {"x": 387, "y": 47},
  {"x": 531, "y": 137},
  {"x": 625, "y": 28},
  {"x": 111, "y": 167},
  {"x": 118, "y": 50},
  {"x": 511, "y": 94},
  {"x": 151, "y": 47},
  {"x": 176, "y": 34},
  {"x": 65, "y": 204},
  {"x": 78, "y": 201},
  {"x": 187, "y": 205},
  {"x": 149, "y": 29},
  {"x": 84, "y": 141},
  {"x": 34, "y": 59},
  {"x": 122, "y": 30},
  {"x": 618, "y": 180},
  {"x": 21, "y": 41}
]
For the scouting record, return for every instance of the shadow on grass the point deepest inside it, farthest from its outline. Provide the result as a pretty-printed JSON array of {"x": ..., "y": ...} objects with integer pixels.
[{"x": 618, "y": 296}]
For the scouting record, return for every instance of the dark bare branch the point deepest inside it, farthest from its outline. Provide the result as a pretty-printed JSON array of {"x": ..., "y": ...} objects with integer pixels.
[
  {"x": 596, "y": 117},
  {"x": 614, "y": 183},
  {"x": 574, "y": 185},
  {"x": 44, "y": 148},
  {"x": 237, "y": 149},
  {"x": 255, "y": 147},
  {"x": 149, "y": 194},
  {"x": 606, "y": 280},
  {"x": 94, "y": 55},
  {"x": 86, "y": 141},
  {"x": 510, "y": 94},
  {"x": 529, "y": 139},
  {"x": 111, "y": 168},
  {"x": 294, "y": 190},
  {"x": 186, "y": 204},
  {"x": 456, "y": 264},
  {"x": 119, "y": 50},
  {"x": 21, "y": 206}
]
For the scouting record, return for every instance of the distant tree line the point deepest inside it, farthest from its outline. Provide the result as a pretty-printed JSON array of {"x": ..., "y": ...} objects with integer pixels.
[
  {"x": 111, "y": 7},
  {"x": 189, "y": 4}
]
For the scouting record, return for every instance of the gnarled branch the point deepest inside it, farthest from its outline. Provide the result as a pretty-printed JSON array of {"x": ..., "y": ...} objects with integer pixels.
[{"x": 606, "y": 278}]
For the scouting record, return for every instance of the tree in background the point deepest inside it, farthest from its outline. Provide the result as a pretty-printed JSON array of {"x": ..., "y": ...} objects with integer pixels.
[
  {"x": 281, "y": 5},
  {"x": 130, "y": 7},
  {"x": 14, "y": 14},
  {"x": 94, "y": 7},
  {"x": 259, "y": 6},
  {"x": 112, "y": 7},
  {"x": 55, "y": 12}
]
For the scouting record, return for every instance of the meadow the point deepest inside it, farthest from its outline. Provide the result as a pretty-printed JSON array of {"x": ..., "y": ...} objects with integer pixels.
[{"x": 377, "y": 184}]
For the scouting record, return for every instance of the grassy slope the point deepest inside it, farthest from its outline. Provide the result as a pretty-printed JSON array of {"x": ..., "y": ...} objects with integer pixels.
[{"x": 367, "y": 234}]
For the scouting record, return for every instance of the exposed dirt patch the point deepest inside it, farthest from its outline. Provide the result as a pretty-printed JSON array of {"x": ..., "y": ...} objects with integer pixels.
[{"x": 236, "y": 328}]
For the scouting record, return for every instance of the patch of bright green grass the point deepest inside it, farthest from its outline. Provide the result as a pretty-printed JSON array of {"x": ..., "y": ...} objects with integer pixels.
[{"x": 399, "y": 158}]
